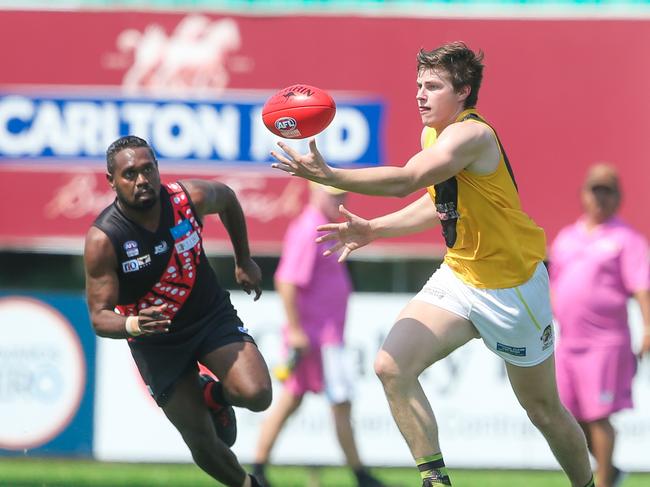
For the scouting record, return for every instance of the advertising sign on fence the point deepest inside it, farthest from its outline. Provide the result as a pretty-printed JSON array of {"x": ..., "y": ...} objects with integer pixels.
[
  {"x": 193, "y": 85},
  {"x": 481, "y": 423},
  {"x": 47, "y": 375}
]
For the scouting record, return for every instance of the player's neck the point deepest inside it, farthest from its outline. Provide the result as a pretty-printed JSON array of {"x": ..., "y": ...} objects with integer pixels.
[{"x": 147, "y": 218}]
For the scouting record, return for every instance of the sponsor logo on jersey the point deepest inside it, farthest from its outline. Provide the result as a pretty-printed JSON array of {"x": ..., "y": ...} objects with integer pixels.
[
  {"x": 187, "y": 243},
  {"x": 130, "y": 266},
  {"x": 133, "y": 265},
  {"x": 161, "y": 248},
  {"x": 181, "y": 230},
  {"x": 131, "y": 248}
]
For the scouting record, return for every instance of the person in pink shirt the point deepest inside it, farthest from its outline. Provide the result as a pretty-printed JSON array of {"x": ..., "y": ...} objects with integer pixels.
[
  {"x": 596, "y": 265},
  {"x": 314, "y": 290}
]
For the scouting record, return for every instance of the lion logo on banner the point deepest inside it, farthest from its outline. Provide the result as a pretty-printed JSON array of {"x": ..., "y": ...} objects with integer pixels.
[{"x": 193, "y": 56}]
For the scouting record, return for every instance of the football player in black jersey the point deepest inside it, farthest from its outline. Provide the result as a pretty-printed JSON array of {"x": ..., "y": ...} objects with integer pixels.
[{"x": 148, "y": 281}]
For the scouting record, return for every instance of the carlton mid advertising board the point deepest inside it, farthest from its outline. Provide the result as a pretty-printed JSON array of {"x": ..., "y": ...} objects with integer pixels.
[{"x": 562, "y": 94}]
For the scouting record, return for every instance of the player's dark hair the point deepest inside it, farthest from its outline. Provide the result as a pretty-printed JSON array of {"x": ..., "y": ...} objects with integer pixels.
[
  {"x": 126, "y": 142},
  {"x": 463, "y": 65}
]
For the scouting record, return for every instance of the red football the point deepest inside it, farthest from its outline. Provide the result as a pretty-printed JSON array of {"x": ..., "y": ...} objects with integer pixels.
[{"x": 298, "y": 111}]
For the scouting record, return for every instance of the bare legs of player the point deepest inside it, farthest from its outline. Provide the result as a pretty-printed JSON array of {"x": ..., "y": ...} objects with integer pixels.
[
  {"x": 342, "y": 413},
  {"x": 283, "y": 408},
  {"x": 424, "y": 334},
  {"x": 246, "y": 382},
  {"x": 536, "y": 390},
  {"x": 601, "y": 438}
]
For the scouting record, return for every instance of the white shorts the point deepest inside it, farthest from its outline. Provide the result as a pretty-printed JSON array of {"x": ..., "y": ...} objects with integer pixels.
[
  {"x": 338, "y": 373},
  {"x": 515, "y": 323}
]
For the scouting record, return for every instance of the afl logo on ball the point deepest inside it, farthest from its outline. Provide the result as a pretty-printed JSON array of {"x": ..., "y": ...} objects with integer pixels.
[{"x": 285, "y": 123}]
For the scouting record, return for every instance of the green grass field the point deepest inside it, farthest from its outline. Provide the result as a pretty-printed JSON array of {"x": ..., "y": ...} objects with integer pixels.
[{"x": 71, "y": 473}]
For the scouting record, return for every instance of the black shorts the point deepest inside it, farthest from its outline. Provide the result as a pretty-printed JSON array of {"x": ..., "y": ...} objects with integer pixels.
[{"x": 163, "y": 359}]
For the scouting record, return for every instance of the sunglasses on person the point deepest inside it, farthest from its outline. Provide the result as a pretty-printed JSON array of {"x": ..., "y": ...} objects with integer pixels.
[{"x": 603, "y": 189}]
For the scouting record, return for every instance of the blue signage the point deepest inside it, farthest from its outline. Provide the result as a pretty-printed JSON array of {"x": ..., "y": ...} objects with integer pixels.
[
  {"x": 64, "y": 129},
  {"x": 47, "y": 375}
]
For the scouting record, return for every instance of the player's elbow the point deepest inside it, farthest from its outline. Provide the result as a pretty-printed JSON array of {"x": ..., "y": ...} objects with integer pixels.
[
  {"x": 405, "y": 186},
  {"x": 402, "y": 191},
  {"x": 99, "y": 326},
  {"x": 99, "y": 330}
]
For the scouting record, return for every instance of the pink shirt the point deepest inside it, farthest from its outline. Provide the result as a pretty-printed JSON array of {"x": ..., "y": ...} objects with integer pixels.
[
  {"x": 593, "y": 274},
  {"x": 323, "y": 283}
]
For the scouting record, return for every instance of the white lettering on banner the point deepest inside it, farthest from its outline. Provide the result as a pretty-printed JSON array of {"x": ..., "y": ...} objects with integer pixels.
[
  {"x": 262, "y": 205},
  {"x": 262, "y": 139},
  {"x": 85, "y": 119},
  {"x": 138, "y": 117},
  {"x": 50, "y": 130},
  {"x": 347, "y": 137},
  {"x": 19, "y": 109},
  {"x": 192, "y": 57},
  {"x": 181, "y": 132},
  {"x": 201, "y": 131},
  {"x": 42, "y": 373},
  {"x": 187, "y": 243},
  {"x": 81, "y": 196},
  {"x": 481, "y": 423},
  {"x": 78, "y": 198}
]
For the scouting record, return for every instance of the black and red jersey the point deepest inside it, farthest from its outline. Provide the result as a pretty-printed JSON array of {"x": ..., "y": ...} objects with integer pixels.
[{"x": 166, "y": 266}]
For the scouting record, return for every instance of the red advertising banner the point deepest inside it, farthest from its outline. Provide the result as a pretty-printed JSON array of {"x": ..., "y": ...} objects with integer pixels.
[
  {"x": 47, "y": 209},
  {"x": 562, "y": 94}
]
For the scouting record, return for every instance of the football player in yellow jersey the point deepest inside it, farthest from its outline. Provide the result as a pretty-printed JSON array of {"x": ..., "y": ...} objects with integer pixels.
[{"x": 492, "y": 284}]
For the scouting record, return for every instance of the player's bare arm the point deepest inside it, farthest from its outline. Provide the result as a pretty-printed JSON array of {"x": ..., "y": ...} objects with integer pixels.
[
  {"x": 102, "y": 290},
  {"x": 213, "y": 197},
  {"x": 463, "y": 145},
  {"x": 357, "y": 232}
]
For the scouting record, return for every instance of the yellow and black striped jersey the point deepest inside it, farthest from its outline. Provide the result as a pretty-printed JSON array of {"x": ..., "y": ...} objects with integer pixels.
[{"x": 491, "y": 242}]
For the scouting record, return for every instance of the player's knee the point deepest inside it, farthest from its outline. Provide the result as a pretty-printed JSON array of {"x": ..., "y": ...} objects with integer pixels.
[
  {"x": 256, "y": 396},
  {"x": 261, "y": 400},
  {"x": 541, "y": 412},
  {"x": 386, "y": 368}
]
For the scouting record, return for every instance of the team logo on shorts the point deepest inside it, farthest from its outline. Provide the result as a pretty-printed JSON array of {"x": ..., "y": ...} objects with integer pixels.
[{"x": 547, "y": 337}]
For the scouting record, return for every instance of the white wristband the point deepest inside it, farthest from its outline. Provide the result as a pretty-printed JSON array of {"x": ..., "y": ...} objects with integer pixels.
[{"x": 132, "y": 326}]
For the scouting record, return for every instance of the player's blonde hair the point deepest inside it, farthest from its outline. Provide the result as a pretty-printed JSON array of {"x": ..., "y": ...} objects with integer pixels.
[{"x": 464, "y": 66}]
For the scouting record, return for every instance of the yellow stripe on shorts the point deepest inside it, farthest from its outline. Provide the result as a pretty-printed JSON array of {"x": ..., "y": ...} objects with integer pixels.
[{"x": 530, "y": 313}]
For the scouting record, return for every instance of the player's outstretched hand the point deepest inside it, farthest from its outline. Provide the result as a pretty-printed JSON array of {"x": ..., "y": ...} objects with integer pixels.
[
  {"x": 249, "y": 276},
  {"x": 309, "y": 166},
  {"x": 153, "y": 320},
  {"x": 352, "y": 234}
]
